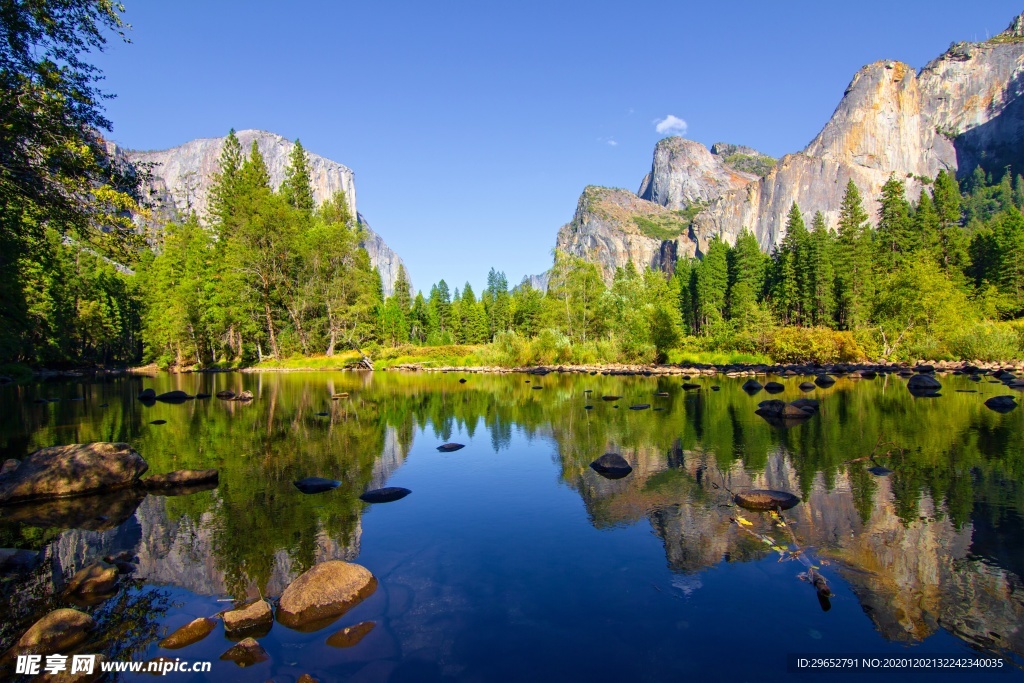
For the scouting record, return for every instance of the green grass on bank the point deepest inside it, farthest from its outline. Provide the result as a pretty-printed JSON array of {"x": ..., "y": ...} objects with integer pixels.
[{"x": 339, "y": 361}]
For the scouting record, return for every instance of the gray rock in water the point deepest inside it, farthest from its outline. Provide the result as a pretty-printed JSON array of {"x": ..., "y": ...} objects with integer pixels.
[
  {"x": 1001, "y": 404},
  {"x": 923, "y": 385},
  {"x": 808, "y": 386},
  {"x": 449, "y": 447},
  {"x": 72, "y": 470},
  {"x": 640, "y": 406},
  {"x": 316, "y": 484},
  {"x": 226, "y": 395},
  {"x": 751, "y": 386},
  {"x": 147, "y": 395},
  {"x": 824, "y": 381},
  {"x": 774, "y": 388},
  {"x": 611, "y": 466},
  {"x": 385, "y": 495}
]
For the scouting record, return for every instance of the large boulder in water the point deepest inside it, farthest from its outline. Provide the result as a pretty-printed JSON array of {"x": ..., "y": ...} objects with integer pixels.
[
  {"x": 824, "y": 381},
  {"x": 766, "y": 499},
  {"x": 324, "y": 593},
  {"x": 73, "y": 470},
  {"x": 147, "y": 395},
  {"x": 387, "y": 494},
  {"x": 59, "y": 631},
  {"x": 923, "y": 385},
  {"x": 612, "y": 466}
]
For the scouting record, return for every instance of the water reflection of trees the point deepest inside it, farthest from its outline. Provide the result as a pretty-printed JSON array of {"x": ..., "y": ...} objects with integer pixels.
[{"x": 962, "y": 462}]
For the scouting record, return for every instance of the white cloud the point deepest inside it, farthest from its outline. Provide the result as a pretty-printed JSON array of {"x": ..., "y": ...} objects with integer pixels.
[
  {"x": 611, "y": 141},
  {"x": 670, "y": 124}
]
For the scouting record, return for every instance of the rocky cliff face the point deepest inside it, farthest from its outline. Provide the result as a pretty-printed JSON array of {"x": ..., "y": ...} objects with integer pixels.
[
  {"x": 684, "y": 172},
  {"x": 178, "y": 180},
  {"x": 613, "y": 227},
  {"x": 962, "y": 109}
]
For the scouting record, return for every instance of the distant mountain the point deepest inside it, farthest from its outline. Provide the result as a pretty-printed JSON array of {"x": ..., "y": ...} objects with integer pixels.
[
  {"x": 962, "y": 110},
  {"x": 179, "y": 180}
]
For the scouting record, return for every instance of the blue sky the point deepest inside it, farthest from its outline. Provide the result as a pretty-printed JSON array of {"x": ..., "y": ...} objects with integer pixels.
[{"x": 472, "y": 127}]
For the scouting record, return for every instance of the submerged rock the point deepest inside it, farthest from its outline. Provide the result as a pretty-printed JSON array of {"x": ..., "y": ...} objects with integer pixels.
[
  {"x": 1001, "y": 404},
  {"x": 611, "y": 466},
  {"x": 449, "y": 447},
  {"x": 202, "y": 395},
  {"x": 808, "y": 386},
  {"x": 158, "y": 422},
  {"x": 880, "y": 471},
  {"x": 72, "y": 470},
  {"x": 147, "y": 395},
  {"x": 244, "y": 396},
  {"x": 226, "y": 395},
  {"x": 351, "y": 635},
  {"x": 181, "y": 479},
  {"x": 610, "y": 398},
  {"x": 385, "y": 495},
  {"x": 316, "y": 484},
  {"x": 640, "y": 406},
  {"x": 99, "y": 578},
  {"x": 246, "y": 653},
  {"x": 325, "y": 592},
  {"x": 766, "y": 499},
  {"x": 95, "y": 512},
  {"x": 774, "y": 388},
  {"x": 254, "y": 617},
  {"x": 824, "y": 381},
  {"x": 174, "y": 397},
  {"x": 690, "y": 386},
  {"x": 190, "y": 633}
]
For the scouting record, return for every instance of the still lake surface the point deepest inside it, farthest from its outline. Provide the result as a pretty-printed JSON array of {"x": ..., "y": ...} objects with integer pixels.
[{"x": 513, "y": 560}]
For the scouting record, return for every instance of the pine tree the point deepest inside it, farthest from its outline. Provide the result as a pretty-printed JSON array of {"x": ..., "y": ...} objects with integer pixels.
[
  {"x": 794, "y": 292},
  {"x": 254, "y": 175},
  {"x": 896, "y": 236},
  {"x": 403, "y": 291},
  {"x": 822, "y": 272},
  {"x": 497, "y": 303},
  {"x": 952, "y": 239},
  {"x": 225, "y": 188},
  {"x": 926, "y": 225},
  {"x": 712, "y": 283},
  {"x": 746, "y": 265},
  {"x": 297, "y": 187},
  {"x": 853, "y": 261}
]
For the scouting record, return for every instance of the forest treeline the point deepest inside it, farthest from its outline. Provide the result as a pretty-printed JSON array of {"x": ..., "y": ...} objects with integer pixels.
[
  {"x": 269, "y": 274},
  {"x": 274, "y": 276}
]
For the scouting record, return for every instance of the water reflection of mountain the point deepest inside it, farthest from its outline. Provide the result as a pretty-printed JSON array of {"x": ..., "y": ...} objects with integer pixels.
[{"x": 911, "y": 578}]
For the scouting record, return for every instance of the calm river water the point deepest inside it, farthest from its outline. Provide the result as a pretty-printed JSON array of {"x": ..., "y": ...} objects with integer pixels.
[{"x": 513, "y": 560}]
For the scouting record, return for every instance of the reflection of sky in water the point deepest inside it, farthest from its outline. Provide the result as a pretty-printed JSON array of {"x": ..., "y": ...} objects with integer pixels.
[{"x": 513, "y": 560}]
